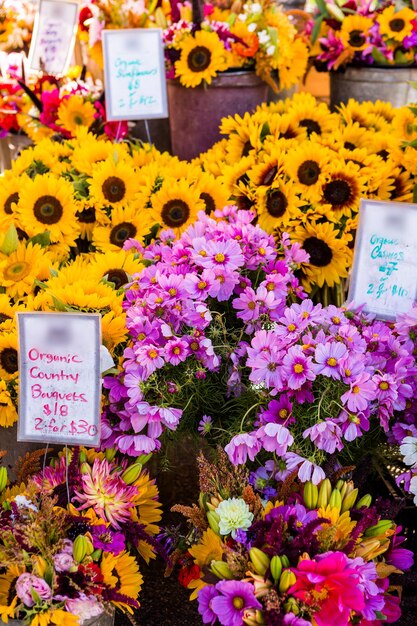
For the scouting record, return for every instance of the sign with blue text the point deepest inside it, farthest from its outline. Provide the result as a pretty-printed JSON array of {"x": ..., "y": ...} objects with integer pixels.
[
  {"x": 59, "y": 378},
  {"x": 384, "y": 274},
  {"x": 134, "y": 73},
  {"x": 53, "y": 36}
]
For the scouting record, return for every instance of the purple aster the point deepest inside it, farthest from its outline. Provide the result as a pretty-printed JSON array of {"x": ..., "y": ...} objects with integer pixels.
[
  {"x": 298, "y": 368},
  {"x": 235, "y": 597},
  {"x": 360, "y": 393},
  {"x": 205, "y": 425},
  {"x": 106, "y": 539},
  {"x": 133, "y": 381},
  {"x": 306, "y": 469},
  {"x": 224, "y": 284},
  {"x": 327, "y": 357},
  {"x": 353, "y": 424},
  {"x": 266, "y": 368},
  {"x": 275, "y": 438},
  {"x": 241, "y": 447},
  {"x": 205, "y": 597}
]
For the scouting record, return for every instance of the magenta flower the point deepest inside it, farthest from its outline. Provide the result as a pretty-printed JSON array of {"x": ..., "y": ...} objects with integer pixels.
[
  {"x": 205, "y": 597},
  {"x": 247, "y": 305},
  {"x": 205, "y": 425},
  {"x": 224, "y": 255},
  {"x": 106, "y": 539},
  {"x": 176, "y": 351},
  {"x": 361, "y": 393},
  {"x": 297, "y": 368},
  {"x": 325, "y": 435},
  {"x": 233, "y": 599},
  {"x": 241, "y": 447},
  {"x": 150, "y": 359}
]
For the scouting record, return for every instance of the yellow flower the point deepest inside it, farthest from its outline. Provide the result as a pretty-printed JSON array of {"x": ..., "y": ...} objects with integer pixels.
[
  {"x": 306, "y": 165},
  {"x": 292, "y": 64},
  {"x": 74, "y": 112},
  {"x": 342, "y": 190},
  {"x": 121, "y": 573},
  {"x": 8, "y": 610},
  {"x": 20, "y": 269},
  {"x": 277, "y": 205},
  {"x": 8, "y": 413},
  {"x": 58, "y": 617},
  {"x": 212, "y": 192},
  {"x": 396, "y": 24},
  {"x": 9, "y": 197},
  {"x": 336, "y": 533},
  {"x": 113, "y": 330},
  {"x": 202, "y": 57},
  {"x": 209, "y": 548},
  {"x": 8, "y": 355},
  {"x": 114, "y": 267},
  {"x": 354, "y": 32},
  {"x": 175, "y": 206},
  {"x": 112, "y": 183},
  {"x": 131, "y": 222},
  {"x": 47, "y": 204},
  {"x": 147, "y": 511}
]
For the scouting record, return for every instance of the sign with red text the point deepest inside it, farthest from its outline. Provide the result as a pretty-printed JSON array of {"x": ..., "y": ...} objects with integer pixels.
[
  {"x": 53, "y": 36},
  {"x": 384, "y": 274},
  {"x": 59, "y": 374}
]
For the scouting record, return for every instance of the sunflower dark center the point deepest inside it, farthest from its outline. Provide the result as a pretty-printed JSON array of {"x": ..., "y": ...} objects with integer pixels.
[
  {"x": 175, "y": 213},
  {"x": 4, "y": 318},
  {"x": 78, "y": 120},
  {"x": 276, "y": 203},
  {"x": 14, "y": 197},
  {"x": 289, "y": 134},
  {"x": 320, "y": 253},
  {"x": 308, "y": 172},
  {"x": 337, "y": 192},
  {"x": 311, "y": 126},
  {"x": 113, "y": 189},
  {"x": 384, "y": 154},
  {"x": 118, "y": 277},
  {"x": 48, "y": 210},
  {"x": 86, "y": 216},
  {"x": 21, "y": 235},
  {"x": 349, "y": 145},
  {"x": 120, "y": 233},
  {"x": 399, "y": 189},
  {"x": 269, "y": 175},
  {"x": 199, "y": 59},
  {"x": 244, "y": 203},
  {"x": 209, "y": 202},
  {"x": 397, "y": 25},
  {"x": 356, "y": 38},
  {"x": 8, "y": 360}
]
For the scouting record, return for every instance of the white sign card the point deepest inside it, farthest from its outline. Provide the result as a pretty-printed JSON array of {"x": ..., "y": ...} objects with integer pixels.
[
  {"x": 384, "y": 274},
  {"x": 60, "y": 383},
  {"x": 53, "y": 36},
  {"x": 134, "y": 74}
]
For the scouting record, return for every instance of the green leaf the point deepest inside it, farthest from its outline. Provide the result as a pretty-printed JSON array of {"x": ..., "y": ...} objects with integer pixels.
[
  {"x": 43, "y": 239},
  {"x": 265, "y": 131},
  {"x": 49, "y": 575},
  {"x": 336, "y": 12},
  {"x": 10, "y": 241},
  {"x": 59, "y": 305},
  {"x": 381, "y": 616},
  {"x": 35, "y": 596},
  {"x": 316, "y": 28},
  {"x": 379, "y": 57},
  {"x": 413, "y": 109},
  {"x": 322, "y": 7}
]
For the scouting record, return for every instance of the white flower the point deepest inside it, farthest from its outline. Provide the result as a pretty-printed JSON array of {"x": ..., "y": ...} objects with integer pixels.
[
  {"x": 408, "y": 449},
  {"x": 270, "y": 51},
  {"x": 256, "y": 7},
  {"x": 263, "y": 36},
  {"x": 234, "y": 515},
  {"x": 413, "y": 487},
  {"x": 23, "y": 502},
  {"x": 252, "y": 27}
]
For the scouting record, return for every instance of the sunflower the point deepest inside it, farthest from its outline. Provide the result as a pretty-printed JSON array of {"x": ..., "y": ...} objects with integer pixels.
[
  {"x": 202, "y": 57},
  {"x": 114, "y": 267},
  {"x": 396, "y": 24},
  {"x": 277, "y": 205},
  {"x": 8, "y": 597},
  {"x": 7, "y": 313},
  {"x": 74, "y": 112},
  {"x": 284, "y": 128},
  {"x": 330, "y": 256},
  {"x": 350, "y": 137},
  {"x": 47, "y": 204},
  {"x": 213, "y": 160},
  {"x": 121, "y": 573},
  {"x": 335, "y": 534},
  {"x": 236, "y": 175},
  {"x": 404, "y": 124},
  {"x": 342, "y": 190},
  {"x": 9, "y": 197},
  {"x": 306, "y": 166},
  {"x": 113, "y": 330},
  {"x": 212, "y": 192},
  {"x": 402, "y": 186},
  {"x": 209, "y": 548},
  {"x": 147, "y": 512},
  {"x": 355, "y": 32},
  {"x": 20, "y": 269},
  {"x": 131, "y": 222},
  {"x": 8, "y": 355},
  {"x": 307, "y": 112},
  {"x": 8, "y": 413},
  {"x": 266, "y": 169},
  {"x": 52, "y": 155},
  {"x": 89, "y": 151},
  {"x": 112, "y": 183},
  {"x": 175, "y": 206},
  {"x": 292, "y": 64}
]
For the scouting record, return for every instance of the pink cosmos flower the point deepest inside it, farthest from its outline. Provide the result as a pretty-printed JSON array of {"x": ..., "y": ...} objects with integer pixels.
[
  {"x": 275, "y": 438},
  {"x": 325, "y": 435},
  {"x": 327, "y": 357},
  {"x": 360, "y": 394},
  {"x": 298, "y": 368},
  {"x": 241, "y": 447},
  {"x": 328, "y": 582},
  {"x": 224, "y": 255}
]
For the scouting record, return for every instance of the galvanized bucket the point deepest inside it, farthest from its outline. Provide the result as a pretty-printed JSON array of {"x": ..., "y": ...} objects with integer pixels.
[
  {"x": 195, "y": 113},
  {"x": 391, "y": 84}
]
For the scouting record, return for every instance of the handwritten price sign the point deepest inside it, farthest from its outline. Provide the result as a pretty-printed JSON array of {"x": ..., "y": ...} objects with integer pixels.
[
  {"x": 53, "y": 36},
  {"x": 384, "y": 275},
  {"x": 59, "y": 369},
  {"x": 134, "y": 71}
]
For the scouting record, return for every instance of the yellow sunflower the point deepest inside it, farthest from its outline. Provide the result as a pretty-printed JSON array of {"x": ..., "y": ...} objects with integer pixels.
[
  {"x": 342, "y": 190},
  {"x": 9, "y": 197},
  {"x": 20, "y": 269},
  {"x": 306, "y": 166},
  {"x": 8, "y": 413},
  {"x": 114, "y": 267},
  {"x": 46, "y": 203},
  {"x": 315, "y": 117},
  {"x": 277, "y": 205},
  {"x": 330, "y": 256},
  {"x": 121, "y": 572},
  {"x": 403, "y": 186},
  {"x": 127, "y": 223},
  {"x": 74, "y": 112},
  {"x": 236, "y": 175},
  {"x": 208, "y": 549},
  {"x": 113, "y": 330},
  {"x": 7, "y": 313},
  {"x": 335, "y": 534},
  {"x": 147, "y": 511},
  {"x": 8, "y": 355},
  {"x": 266, "y": 170},
  {"x": 213, "y": 160},
  {"x": 396, "y": 24},
  {"x": 292, "y": 64},
  {"x": 175, "y": 206},
  {"x": 212, "y": 192},
  {"x": 89, "y": 151},
  {"x": 354, "y": 32},
  {"x": 112, "y": 183},
  {"x": 202, "y": 57}
]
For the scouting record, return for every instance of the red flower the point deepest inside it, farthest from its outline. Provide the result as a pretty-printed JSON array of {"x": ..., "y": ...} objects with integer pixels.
[
  {"x": 84, "y": 15},
  {"x": 189, "y": 570}
]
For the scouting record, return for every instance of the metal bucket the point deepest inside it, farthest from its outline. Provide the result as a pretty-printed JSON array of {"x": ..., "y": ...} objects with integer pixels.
[
  {"x": 195, "y": 113},
  {"x": 390, "y": 84}
]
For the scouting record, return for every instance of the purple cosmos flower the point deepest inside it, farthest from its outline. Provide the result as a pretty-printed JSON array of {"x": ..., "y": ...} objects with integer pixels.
[
  {"x": 327, "y": 357},
  {"x": 247, "y": 305},
  {"x": 297, "y": 368},
  {"x": 235, "y": 596},
  {"x": 176, "y": 351},
  {"x": 361, "y": 392},
  {"x": 275, "y": 438},
  {"x": 205, "y": 425},
  {"x": 205, "y": 597},
  {"x": 223, "y": 255},
  {"x": 241, "y": 447},
  {"x": 325, "y": 435},
  {"x": 278, "y": 412},
  {"x": 106, "y": 539}
]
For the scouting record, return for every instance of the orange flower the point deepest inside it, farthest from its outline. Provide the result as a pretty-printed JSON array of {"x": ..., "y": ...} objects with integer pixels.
[{"x": 250, "y": 44}]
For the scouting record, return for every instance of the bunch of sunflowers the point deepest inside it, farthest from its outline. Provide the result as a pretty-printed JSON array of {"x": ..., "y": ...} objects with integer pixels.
[
  {"x": 69, "y": 539},
  {"x": 304, "y": 170},
  {"x": 317, "y": 555},
  {"x": 359, "y": 32}
]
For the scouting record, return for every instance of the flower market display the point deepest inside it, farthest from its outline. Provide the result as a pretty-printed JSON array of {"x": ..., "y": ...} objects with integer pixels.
[
  {"x": 317, "y": 555},
  {"x": 364, "y": 33},
  {"x": 16, "y": 24},
  {"x": 199, "y": 45},
  {"x": 70, "y": 535}
]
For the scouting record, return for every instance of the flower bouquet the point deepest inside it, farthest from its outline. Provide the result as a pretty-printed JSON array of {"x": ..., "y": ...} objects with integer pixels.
[
  {"x": 316, "y": 555},
  {"x": 68, "y": 540},
  {"x": 363, "y": 34},
  {"x": 16, "y": 21}
]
